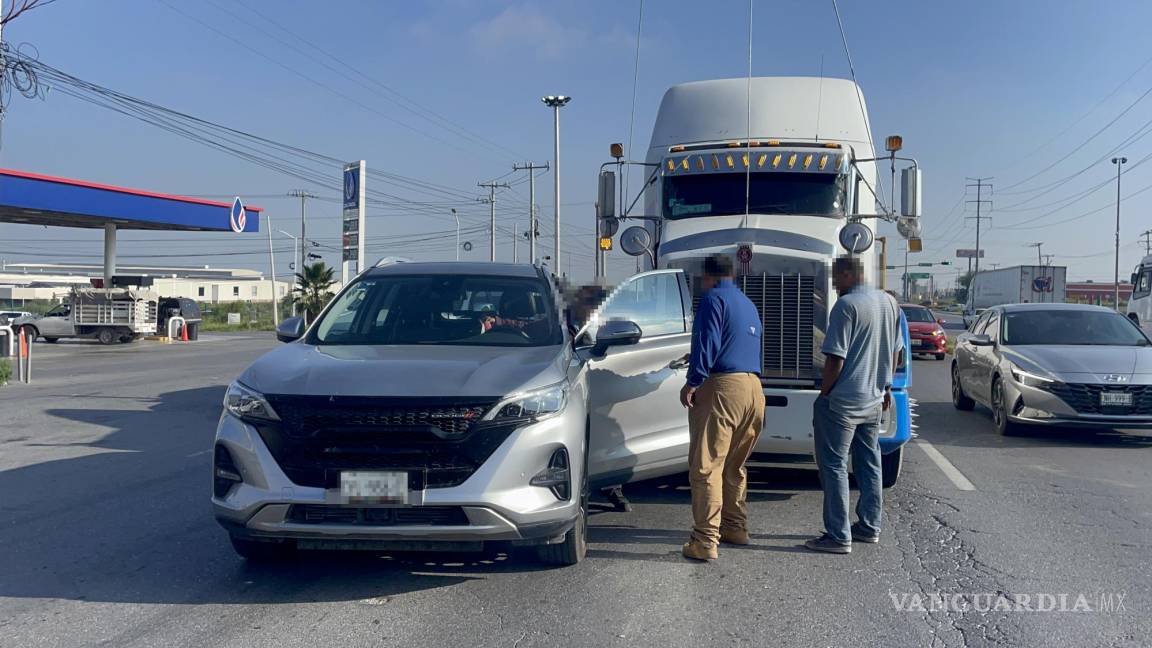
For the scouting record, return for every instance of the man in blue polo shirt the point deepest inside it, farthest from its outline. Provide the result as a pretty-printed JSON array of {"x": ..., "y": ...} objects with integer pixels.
[{"x": 725, "y": 410}]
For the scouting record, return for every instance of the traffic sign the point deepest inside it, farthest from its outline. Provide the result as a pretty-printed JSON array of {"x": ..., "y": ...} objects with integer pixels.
[
  {"x": 919, "y": 275},
  {"x": 968, "y": 253}
]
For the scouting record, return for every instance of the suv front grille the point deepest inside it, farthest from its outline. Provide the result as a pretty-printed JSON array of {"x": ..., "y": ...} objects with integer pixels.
[
  {"x": 1085, "y": 398},
  {"x": 378, "y": 516},
  {"x": 440, "y": 441}
]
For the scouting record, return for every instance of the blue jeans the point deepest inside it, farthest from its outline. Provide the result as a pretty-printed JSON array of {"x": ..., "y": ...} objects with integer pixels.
[{"x": 836, "y": 435}]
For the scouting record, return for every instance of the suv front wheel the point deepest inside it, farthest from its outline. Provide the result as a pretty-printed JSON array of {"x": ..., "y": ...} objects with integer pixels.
[{"x": 575, "y": 544}]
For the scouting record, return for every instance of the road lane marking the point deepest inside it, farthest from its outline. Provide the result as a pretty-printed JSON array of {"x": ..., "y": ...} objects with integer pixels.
[
  {"x": 197, "y": 454},
  {"x": 951, "y": 472}
]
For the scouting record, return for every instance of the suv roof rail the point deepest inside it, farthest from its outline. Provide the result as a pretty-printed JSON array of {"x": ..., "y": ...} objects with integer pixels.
[{"x": 389, "y": 260}]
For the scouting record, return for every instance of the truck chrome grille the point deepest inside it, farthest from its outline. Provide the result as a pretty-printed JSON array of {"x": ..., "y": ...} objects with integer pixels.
[{"x": 786, "y": 304}]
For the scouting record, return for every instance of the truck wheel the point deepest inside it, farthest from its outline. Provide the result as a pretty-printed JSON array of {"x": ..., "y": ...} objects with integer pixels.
[
  {"x": 890, "y": 465},
  {"x": 257, "y": 551},
  {"x": 106, "y": 336},
  {"x": 51, "y": 340}
]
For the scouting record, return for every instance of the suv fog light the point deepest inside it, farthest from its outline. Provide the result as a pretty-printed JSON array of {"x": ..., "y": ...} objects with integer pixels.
[
  {"x": 556, "y": 476},
  {"x": 225, "y": 474}
]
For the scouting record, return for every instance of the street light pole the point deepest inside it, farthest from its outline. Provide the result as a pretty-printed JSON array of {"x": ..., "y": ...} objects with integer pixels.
[
  {"x": 1119, "y": 162},
  {"x": 457, "y": 217},
  {"x": 556, "y": 102}
]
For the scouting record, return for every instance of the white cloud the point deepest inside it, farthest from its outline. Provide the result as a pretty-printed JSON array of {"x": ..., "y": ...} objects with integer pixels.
[{"x": 525, "y": 25}]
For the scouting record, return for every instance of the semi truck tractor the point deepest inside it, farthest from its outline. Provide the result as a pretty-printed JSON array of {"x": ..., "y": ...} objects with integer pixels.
[{"x": 779, "y": 173}]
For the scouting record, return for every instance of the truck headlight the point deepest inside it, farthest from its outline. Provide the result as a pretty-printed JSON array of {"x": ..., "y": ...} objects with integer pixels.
[
  {"x": 530, "y": 406},
  {"x": 1030, "y": 379},
  {"x": 248, "y": 404}
]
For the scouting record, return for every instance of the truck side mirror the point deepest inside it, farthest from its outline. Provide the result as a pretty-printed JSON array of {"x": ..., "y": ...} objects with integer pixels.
[
  {"x": 606, "y": 195},
  {"x": 910, "y": 184}
]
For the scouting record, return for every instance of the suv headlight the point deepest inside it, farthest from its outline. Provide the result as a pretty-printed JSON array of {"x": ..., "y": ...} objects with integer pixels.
[
  {"x": 530, "y": 406},
  {"x": 1030, "y": 379},
  {"x": 248, "y": 404}
]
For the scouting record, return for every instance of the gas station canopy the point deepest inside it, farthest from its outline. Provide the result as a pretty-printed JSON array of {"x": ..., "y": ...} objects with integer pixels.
[{"x": 32, "y": 199}]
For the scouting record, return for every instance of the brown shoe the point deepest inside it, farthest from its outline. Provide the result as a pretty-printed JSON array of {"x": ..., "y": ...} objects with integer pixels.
[
  {"x": 697, "y": 550},
  {"x": 735, "y": 537}
]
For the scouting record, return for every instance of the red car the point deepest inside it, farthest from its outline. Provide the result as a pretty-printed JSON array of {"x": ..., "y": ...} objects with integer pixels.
[{"x": 926, "y": 331}]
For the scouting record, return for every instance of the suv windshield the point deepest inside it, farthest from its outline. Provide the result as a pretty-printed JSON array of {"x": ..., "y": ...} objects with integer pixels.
[
  {"x": 722, "y": 194},
  {"x": 913, "y": 314},
  {"x": 443, "y": 310},
  {"x": 1075, "y": 327}
]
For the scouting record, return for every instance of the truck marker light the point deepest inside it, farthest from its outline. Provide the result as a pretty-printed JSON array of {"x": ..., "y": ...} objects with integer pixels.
[
  {"x": 676, "y": 149},
  {"x": 754, "y": 143},
  {"x": 730, "y": 161},
  {"x": 792, "y": 160},
  {"x": 839, "y": 162},
  {"x": 700, "y": 162},
  {"x": 807, "y": 161},
  {"x": 776, "y": 160},
  {"x": 744, "y": 158},
  {"x": 773, "y": 142},
  {"x": 735, "y": 144},
  {"x": 823, "y": 162},
  {"x": 671, "y": 165},
  {"x": 684, "y": 164},
  {"x": 715, "y": 162},
  {"x": 761, "y": 160},
  {"x": 832, "y": 145}
]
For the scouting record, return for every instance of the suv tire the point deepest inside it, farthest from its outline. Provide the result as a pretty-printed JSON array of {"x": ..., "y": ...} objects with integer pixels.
[{"x": 890, "y": 465}]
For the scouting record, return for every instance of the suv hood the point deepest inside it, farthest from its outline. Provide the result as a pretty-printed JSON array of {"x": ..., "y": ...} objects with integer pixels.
[{"x": 415, "y": 371}]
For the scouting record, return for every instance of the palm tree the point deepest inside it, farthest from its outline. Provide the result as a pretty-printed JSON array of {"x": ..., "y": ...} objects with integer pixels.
[{"x": 312, "y": 292}]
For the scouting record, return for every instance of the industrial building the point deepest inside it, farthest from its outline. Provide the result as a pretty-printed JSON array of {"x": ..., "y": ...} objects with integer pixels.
[{"x": 21, "y": 282}]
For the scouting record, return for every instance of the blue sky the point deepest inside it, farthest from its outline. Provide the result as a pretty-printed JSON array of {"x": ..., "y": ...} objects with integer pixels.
[{"x": 1000, "y": 89}]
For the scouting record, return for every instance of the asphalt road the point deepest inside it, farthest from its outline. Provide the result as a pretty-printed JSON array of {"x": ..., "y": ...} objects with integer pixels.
[{"x": 106, "y": 538}]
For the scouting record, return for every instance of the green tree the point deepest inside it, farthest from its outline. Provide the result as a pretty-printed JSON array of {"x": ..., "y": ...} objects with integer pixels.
[
  {"x": 312, "y": 291},
  {"x": 963, "y": 281}
]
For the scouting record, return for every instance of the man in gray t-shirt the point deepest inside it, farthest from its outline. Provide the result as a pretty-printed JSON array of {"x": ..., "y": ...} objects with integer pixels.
[{"x": 861, "y": 350}]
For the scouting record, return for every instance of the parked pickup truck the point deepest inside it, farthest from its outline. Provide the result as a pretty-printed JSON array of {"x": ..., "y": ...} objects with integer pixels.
[{"x": 108, "y": 315}]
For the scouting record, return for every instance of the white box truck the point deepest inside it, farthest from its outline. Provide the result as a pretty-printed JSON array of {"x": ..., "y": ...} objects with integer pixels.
[{"x": 1025, "y": 284}]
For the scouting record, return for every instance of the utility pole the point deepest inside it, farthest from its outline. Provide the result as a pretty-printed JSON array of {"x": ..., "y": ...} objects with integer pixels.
[
  {"x": 533, "y": 229},
  {"x": 271, "y": 268},
  {"x": 1039, "y": 257},
  {"x": 556, "y": 102},
  {"x": 1119, "y": 162},
  {"x": 303, "y": 196},
  {"x": 1147, "y": 234},
  {"x": 980, "y": 184},
  {"x": 515, "y": 242},
  {"x": 491, "y": 200}
]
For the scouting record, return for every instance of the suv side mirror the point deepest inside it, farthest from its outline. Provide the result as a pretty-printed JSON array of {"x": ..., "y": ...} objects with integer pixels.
[
  {"x": 616, "y": 333},
  {"x": 980, "y": 340},
  {"x": 941, "y": 321},
  {"x": 290, "y": 330}
]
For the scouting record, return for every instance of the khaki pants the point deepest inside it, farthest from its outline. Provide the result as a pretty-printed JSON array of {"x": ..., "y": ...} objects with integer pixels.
[{"x": 723, "y": 425}]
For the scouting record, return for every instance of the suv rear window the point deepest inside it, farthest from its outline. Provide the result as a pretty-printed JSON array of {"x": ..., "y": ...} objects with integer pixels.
[{"x": 459, "y": 310}]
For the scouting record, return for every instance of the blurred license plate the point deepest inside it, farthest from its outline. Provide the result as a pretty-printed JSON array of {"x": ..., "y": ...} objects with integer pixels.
[
  {"x": 1115, "y": 399},
  {"x": 374, "y": 487}
]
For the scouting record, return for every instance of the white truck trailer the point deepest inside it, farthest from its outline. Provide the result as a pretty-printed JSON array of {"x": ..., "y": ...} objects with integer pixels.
[{"x": 1023, "y": 284}]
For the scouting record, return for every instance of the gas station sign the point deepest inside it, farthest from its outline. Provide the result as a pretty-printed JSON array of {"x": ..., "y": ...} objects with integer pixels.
[{"x": 353, "y": 219}]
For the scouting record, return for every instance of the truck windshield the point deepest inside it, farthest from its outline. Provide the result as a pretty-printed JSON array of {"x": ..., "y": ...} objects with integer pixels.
[
  {"x": 722, "y": 194},
  {"x": 455, "y": 310}
]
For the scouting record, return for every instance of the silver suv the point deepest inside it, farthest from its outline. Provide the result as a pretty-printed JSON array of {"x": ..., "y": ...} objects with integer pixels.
[{"x": 448, "y": 405}]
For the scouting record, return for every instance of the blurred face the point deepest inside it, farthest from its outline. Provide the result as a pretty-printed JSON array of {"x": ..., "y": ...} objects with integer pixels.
[{"x": 845, "y": 281}]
